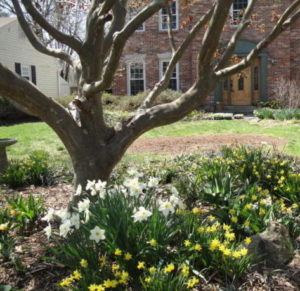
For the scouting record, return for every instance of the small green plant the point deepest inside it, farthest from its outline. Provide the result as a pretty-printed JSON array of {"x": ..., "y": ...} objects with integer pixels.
[
  {"x": 34, "y": 170},
  {"x": 25, "y": 212}
]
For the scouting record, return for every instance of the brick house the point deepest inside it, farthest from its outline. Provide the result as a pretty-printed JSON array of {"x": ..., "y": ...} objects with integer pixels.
[{"x": 147, "y": 54}]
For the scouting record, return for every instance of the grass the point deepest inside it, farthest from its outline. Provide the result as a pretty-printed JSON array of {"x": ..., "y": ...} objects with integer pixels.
[{"x": 38, "y": 136}]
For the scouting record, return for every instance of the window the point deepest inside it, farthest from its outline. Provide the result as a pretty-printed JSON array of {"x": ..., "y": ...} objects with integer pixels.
[
  {"x": 136, "y": 78},
  {"x": 164, "y": 17},
  {"x": 26, "y": 71},
  {"x": 174, "y": 80},
  {"x": 238, "y": 8},
  {"x": 131, "y": 13},
  {"x": 256, "y": 78},
  {"x": 241, "y": 83}
]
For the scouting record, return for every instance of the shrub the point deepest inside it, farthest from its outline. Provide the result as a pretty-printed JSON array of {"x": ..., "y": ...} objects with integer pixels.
[
  {"x": 277, "y": 114},
  {"x": 34, "y": 170},
  {"x": 287, "y": 92},
  {"x": 65, "y": 100}
]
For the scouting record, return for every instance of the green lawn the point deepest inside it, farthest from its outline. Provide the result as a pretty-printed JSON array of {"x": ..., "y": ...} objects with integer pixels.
[{"x": 38, "y": 136}]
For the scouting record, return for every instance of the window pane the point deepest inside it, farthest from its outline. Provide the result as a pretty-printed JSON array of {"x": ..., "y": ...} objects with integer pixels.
[
  {"x": 136, "y": 86},
  {"x": 164, "y": 17},
  {"x": 238, "y": 8},
  {"x": 173, "y": 83},
  {"x": 136, "y": 78},
  {"x": 241, "y": 83},
  {"x": 256, "y": 78}
]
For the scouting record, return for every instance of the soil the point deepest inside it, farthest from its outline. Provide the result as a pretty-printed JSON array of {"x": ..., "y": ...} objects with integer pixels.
[
  {"x": 181, "y": 145},
  {"x": 41, "y": 275}
]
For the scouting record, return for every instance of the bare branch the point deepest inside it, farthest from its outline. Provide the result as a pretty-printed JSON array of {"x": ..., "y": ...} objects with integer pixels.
[
  {"x": 35, "y": 42},
  {"x": 170, "y": 29},
  {"x": 283, "y": 23},
  {"x": 120, "y": 39},
  {"x": 163, "y": 83},
  {"x": 212, "y": 35},
  {"x": 66, "y": 39},
  {"x": 233, "y": 41}
]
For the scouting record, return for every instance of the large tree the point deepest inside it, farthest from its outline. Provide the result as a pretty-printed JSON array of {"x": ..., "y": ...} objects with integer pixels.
[{"x": 94, "y": 147}]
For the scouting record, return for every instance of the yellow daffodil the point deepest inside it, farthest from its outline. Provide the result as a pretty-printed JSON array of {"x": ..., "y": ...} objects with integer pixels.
[
  {"x": 118, "y": 252},
  {"x": 169, "y": 268},
  {"x": 84, "y": 263},
  {"x": 152, "y": 242},
  {"x": 141, "y": 265},
  {"x": 127, "y": 257}
]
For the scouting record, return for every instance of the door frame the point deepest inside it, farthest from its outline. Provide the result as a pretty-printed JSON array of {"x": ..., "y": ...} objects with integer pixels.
[{"x": 242, "y": 49}]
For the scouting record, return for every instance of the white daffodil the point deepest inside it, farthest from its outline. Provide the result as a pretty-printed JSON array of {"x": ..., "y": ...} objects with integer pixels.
[
  {"x": 78, "y": 190},
  {"x": 141, "y": 214},
  {"x": 90, "y": 185},
  {"x": 101, "y": 188},
  {"x": 134, "y": 173},
  {"x": 84, "y": 205},
  {"x": 174, "y": 191},
  {"x": 64, "y": 228},
  {"x": 166, "y": 207},
  {"x": 134, "y": 186},
  {"x": 153, "y": 182},
  {"x": 87, "y": 215},
  {"x": 49, "y": 216},
  {"x": 97, "y": 234},
  {"x": 176, "y": 201},
  {"x": 75, "y": 220},
  {"x": 63, "y": 214},
  {"x": 48, "y": 230}
]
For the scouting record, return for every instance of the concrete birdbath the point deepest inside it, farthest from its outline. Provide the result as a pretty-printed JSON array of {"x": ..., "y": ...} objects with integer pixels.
[{"x": 5, "y": 142}]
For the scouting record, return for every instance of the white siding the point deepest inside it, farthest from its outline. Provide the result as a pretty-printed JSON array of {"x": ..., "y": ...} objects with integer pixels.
[{"x": 15, "y": 48}]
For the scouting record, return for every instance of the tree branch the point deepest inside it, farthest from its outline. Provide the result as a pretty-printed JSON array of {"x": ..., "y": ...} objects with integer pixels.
[
  {"x": 163, "y": 83},
  {"x": 66, "y": 39},
  {"x": 35, "y": 42},
  {"x": 233, "y": 41},
  {"x": 170, "y": 29},
  {"x": 212, "y": 35},
  {"x": 24, "y": 93},
  {"x": 120, "y": 39},
  {"x": 283, "y": 23}
]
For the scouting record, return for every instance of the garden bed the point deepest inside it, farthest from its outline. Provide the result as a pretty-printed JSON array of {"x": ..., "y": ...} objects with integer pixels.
[
  {"x": 196, "y": 144},
  {"x": 231, "y": 196}
]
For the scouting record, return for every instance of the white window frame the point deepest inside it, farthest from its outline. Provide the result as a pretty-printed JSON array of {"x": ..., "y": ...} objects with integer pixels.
[
  {"x": 24, "y": 75},
  {"x": 131, "y": 15},
  {"x": 161, "y": 73},
  {"x": 232, "y": 11},
  {"x": 129, "y": 63},
  {"x": 177, "y": 19}
]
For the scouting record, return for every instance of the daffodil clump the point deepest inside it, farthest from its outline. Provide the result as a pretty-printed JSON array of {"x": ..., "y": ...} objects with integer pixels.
[
  {"x": 146, "y": 233},
  {"x": 18, "y": 215}
]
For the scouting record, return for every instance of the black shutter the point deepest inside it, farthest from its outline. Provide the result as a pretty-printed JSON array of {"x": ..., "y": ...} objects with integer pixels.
[
  {"x": 33, "y": 74},
  {"x": 18, "y": 68}
]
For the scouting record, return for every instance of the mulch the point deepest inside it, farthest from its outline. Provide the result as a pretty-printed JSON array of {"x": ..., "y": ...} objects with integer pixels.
[{"x": 194, "y": 144}]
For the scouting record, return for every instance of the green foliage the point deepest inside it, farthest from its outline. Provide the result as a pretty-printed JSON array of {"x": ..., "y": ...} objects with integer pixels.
[
  {"x": 277, "y": 114},
  {"x": 25, "y": 212},
  {"x": 19, "y": 215},
  {"x": 131, "y": 103},
  {"x": 273, "y": 104},
  {"x": 34, "y": 170}
]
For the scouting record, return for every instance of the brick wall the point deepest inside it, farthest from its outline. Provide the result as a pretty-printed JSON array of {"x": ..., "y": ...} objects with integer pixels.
[{"x": 283, "y": 54}]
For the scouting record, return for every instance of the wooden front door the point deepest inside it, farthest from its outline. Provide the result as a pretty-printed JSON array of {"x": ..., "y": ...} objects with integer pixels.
[{"x": 242, "y": 88}]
